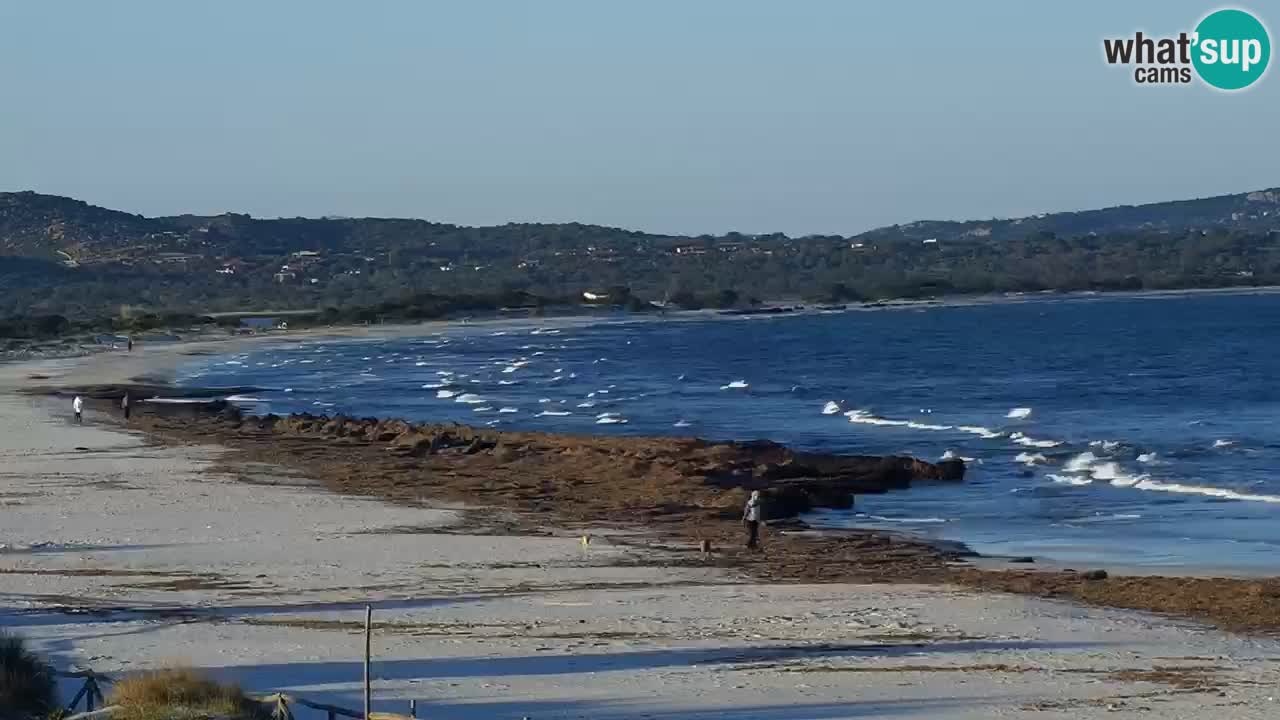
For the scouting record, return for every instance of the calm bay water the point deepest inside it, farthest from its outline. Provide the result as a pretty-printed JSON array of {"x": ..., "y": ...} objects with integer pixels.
[{"x": 1130, "y": 430}]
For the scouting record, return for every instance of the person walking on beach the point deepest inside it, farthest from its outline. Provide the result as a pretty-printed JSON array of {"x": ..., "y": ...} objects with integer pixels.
[
  {"x": 77, "y": 406},
  {"x": 125, "y": 404},
  {"x": 130, "y": 344},
  {"x": 752, "y": 516}
]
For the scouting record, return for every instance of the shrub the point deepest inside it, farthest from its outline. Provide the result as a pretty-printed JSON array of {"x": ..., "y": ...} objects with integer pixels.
[
  {"x": 180, "y": 694},
  {"x": 27, "y": 685}
]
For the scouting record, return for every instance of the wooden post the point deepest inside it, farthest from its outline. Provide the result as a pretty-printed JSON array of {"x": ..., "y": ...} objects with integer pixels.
[{"x": 368, "y": 644}]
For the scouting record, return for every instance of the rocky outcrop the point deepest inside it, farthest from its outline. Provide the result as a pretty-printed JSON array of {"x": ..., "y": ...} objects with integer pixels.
[{"x": 690, "y": 473}]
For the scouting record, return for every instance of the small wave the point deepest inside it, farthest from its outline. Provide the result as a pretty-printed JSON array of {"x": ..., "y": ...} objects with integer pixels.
[
  {"x": 609, "y": 419},
  {"x": 244, "y": 399},
  {"x": 434, "y": 386},
  {"x": 1108, "y": 445},
  {"x": 1080, "y": 463},
  {"x": 736, "y": 385},
  {"x": 908, "y": 520},
  {"x": 553, "y": 413},
  {"x": 682, "y": 423},
  {"x": 1031, "y": 458},
  {"x": 482, "y": 409},
  {"x": 831, "y": 408},
  {"x": 1147, "y": 457},
  {"x": 507, "y": 410},
  {"x": 587, "y": 404},
  {"x": 1223, "y": 443},
  {"x": 1032, "y": 442},
  {"x": 951, "y": 455},
  {"x": 1223, "y": 493},
  {"x": 927, "y": 426},
  {"x": 469, "y": 398},
  {"x": 508, "y": 382},
  {"x": 445, "y": 394},
  {"x": 1070, "y": 479},
  {"x": 1019, "y": 413},
  {"x": 515, "y": 366},
  {"x": 1112, "y": 473},
  {"x": 982, "y": 432},
  {"x": 862, "y": 417}
]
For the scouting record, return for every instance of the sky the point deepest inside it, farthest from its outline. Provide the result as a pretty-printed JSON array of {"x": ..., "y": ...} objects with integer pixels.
[{"x": 671, "y": 116}]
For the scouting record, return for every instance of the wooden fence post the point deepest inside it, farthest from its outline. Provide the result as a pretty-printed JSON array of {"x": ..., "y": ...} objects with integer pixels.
[{"x": 368, "y": 645}]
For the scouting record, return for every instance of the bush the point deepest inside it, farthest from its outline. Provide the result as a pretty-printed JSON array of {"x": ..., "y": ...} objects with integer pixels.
[
  {"x": 180, "y": 694},
  {"x": 27, "y": 685}
]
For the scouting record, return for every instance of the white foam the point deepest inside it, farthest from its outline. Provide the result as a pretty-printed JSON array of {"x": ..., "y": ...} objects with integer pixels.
[
  {"x": 482, "y": 408},
  {"x": 587, "y": 404},
  {"x": 244, "y": 399},
  {"x": 951, "y": 455},
  {"x": 908, "y": 520},
  {"x": 1081, "y": 463},
  {"x": 1019, "y": 413},
  {"x": 434, "y": 386},
  {"x": 1032, "y": 442},
  {"x": 1031, "y": 458},
  {"x": 736, "y": 385},
  {"x": 445, "y": 394},
  {"x": 515, "y": 366},
  {"x": 1070, "y": 479},
  {"x": 682, "y": 423},
  {"x": 831, "y": 408},
  {"x": 1108, "y": 445},
  {"x": 508, "y": 382},
  {"x": 1223, "y": 443},
  {"x": 862, "y": 417},
  {"x": 469, "y": 398},
  {"x": 1112, "y": 473},
  {"x": 926, "y": 426},
  {"x": 1147, "y": 457},
  {"x": 553, "y": 413},
  {"x": 982, "y": 432},
  {"x": 611, "y": 420},
  {"x": 507, "y": 410},
  {"x": 1207, "y": 491}
]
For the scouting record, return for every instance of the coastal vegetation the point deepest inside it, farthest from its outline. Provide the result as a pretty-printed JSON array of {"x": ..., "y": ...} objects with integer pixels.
[
  {"x": 181, "y": 694},
  {"x": 63, "y": 257},
  {"x": 27, "y": 686}
]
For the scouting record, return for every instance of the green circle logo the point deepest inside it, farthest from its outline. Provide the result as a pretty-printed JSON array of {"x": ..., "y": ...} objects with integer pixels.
[{"x": 1232, "y": 49}]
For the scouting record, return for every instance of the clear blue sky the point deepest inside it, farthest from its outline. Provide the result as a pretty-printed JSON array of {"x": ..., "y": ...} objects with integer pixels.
[{"x": 672, "y": 116}]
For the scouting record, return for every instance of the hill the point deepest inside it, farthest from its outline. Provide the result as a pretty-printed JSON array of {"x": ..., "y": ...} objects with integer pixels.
[{"x": 60, "y": 255}]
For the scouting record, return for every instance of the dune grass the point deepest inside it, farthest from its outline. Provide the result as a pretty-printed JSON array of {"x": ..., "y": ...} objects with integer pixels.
[
  {"x": 181, "y": 694},
  {"x": 27, "y": 685}
]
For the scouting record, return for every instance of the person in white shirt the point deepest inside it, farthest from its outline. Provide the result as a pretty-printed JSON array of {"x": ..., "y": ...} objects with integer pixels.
[
  {"x": 78, "y": 406},
  {"x": 752, "y": 516}
]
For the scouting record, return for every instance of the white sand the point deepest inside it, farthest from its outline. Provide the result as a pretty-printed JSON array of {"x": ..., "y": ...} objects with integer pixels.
[{"x": 250, "y": 581}]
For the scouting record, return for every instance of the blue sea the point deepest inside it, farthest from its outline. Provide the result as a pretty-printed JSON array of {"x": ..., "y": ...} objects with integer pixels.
[{"x": 1136, "y": 430}]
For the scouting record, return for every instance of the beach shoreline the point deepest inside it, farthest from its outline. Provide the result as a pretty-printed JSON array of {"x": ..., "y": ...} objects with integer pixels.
[{"x": 125, "y": 550}]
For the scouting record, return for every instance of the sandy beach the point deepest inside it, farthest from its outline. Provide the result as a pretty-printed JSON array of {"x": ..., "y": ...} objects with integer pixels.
[{"x": 118, "y": 554}]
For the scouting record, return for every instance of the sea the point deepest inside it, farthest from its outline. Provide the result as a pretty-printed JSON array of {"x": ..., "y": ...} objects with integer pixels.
[{"x": 1137, "y": 430}]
